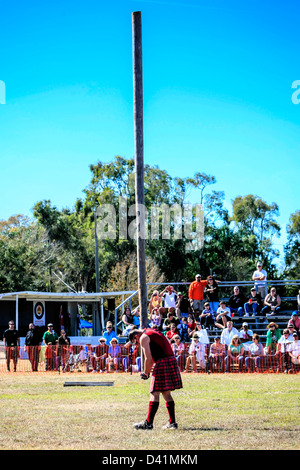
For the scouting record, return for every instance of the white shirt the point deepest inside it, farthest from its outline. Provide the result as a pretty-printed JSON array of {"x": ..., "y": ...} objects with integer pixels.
[
  {"x": 227, "y": 335},
  {"x": 225, "y": 310},
  {"x": 200, "y": 350},
  {"x": 285, "y": 343},
  {"x": 170, "y": 300},
  {"x": 257, "y": 274}
]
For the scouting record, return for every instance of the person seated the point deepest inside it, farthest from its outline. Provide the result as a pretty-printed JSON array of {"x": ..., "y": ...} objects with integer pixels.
[
  {"x": 169, "y": 298},
  {"x": 283, "y": 348},
  {"x": 237, "y": 301},
  {"x": 245, "y": 334},
  {"x": 191, "y": 324},
  {"x": 155, "y": 301},
  {"x": 183, "y": 307},
  {"x": 207, "y": 317},
  {"x": 295, "y": 321},
  {"x": 217, "y": 355},
  {"x": 197, "y": 355},
  {"x": 294, "y": 352},
  {"x": 235, "y": 354},
  {"x": 253, "y": 305},
  {"x": 272, "y": 303},
  {"x": 273, "y": 335},
  {"x": 99, "y": 357},
  {"x": 169, "y": 320},
  {"x": 201, "y": 333},
  {"x": 156, "y": 319},
  {"x": 178, "y": 348},
  {"x": 113, "y": 356},
  {"x": 127, "y": 319},
  {"x": 109, "y": 333},
  {"x": 223, "y": 315},
  {"x": 136, "y": 317},
  {"x": 132, "y": 362},
  {"x": 184, "y": 330},
  {"x": 173, "y": 331},
  {"x": 254, "y": 360}
]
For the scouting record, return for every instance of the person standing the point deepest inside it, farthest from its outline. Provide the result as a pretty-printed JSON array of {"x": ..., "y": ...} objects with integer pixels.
[
  {"x": 11, "y": 340},
  {"x": 33, "y": 341},
  {"x": 50, "y": 339},
  {"x": 196, "y": 292},
  {"x": 260, "y": 280},
  {"x": 165, "y": 376}
]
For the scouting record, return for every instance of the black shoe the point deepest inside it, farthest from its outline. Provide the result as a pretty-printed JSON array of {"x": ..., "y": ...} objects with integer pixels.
[
  {"x": 143, "y": 425},
  {"x": 170, "y": 426}
]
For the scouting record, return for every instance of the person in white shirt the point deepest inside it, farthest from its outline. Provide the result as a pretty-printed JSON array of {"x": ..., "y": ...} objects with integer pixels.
[
  {"x": 228, "y": 333},
  {"x": 245, "y": 335},
  {"x": 169, "y": 296},
  {"x": 223, "y": 315},
  {"x": 294, "y": 351},
  {"x": 255, "y": 357},
  {"x": 260, "y": 280},
  {"x": 283, "y": 348},
  {"x": 197, "y": 352}
]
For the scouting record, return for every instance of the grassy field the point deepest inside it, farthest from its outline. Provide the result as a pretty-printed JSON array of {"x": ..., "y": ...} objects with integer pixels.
[{"x": 214, "y": 412}]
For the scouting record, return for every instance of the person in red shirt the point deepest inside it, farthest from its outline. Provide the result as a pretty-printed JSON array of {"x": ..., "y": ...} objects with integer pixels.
[
  {"x": 165, "y": 376},
  {"x": 196, "y": 290}
]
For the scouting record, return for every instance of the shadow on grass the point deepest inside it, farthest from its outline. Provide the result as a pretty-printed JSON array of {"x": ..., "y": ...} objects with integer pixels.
[{"x": 190, "y": 428}]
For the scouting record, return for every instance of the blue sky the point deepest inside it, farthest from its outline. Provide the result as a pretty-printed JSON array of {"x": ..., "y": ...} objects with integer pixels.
[{"x": 217, "y": 96}]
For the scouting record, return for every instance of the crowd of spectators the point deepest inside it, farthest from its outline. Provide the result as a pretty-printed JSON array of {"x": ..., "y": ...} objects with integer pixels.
[
  {"x": 192, "y": 321},
  {"x": 199, "y": 326}
]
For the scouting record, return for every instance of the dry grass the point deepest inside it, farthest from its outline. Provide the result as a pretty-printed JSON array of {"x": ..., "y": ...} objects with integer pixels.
[{"x": 214, "y": 412}]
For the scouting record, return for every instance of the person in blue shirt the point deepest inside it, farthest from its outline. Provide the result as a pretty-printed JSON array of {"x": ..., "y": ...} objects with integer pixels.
[{"x": 109, "y": 333}]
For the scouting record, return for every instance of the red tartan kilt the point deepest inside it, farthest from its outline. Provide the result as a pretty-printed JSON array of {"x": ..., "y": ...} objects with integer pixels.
[{"x": 166, "y": 375}]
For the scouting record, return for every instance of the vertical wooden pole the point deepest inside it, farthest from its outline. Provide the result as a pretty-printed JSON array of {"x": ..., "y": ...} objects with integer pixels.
[{"x": 139, "y": 161}]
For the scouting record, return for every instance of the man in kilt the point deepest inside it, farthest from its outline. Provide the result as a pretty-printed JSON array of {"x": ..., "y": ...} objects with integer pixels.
[{"x": 165, "y": 376}]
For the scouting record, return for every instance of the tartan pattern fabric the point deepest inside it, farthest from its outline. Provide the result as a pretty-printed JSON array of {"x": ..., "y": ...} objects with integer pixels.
[{"x": 166, "y": 375}]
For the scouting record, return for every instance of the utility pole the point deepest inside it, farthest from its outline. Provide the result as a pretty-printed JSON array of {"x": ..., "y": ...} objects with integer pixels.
[{"x": 139, "y": 161}]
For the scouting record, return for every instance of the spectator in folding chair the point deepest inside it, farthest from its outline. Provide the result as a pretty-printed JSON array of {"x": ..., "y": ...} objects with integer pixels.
[
  {"x": 217, "y": 355},
  {"x": 235, "y": 354},
  {"x": 282, "y": 353},
  {"x": 178, "y": 348},
  {"x": 99, "y": 356},
  {"x": 197, "y": 355},
  {"x": 132, "y": 362},
  {"x": 272, "y": 337},
  {"x": 294, "y": 352},
  {"x": 113, "y": 356},
  {"x": 254, "y": 361}
]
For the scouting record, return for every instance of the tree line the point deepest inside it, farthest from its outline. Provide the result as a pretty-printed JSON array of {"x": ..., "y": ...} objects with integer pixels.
[{"x": 55, "y": 245}]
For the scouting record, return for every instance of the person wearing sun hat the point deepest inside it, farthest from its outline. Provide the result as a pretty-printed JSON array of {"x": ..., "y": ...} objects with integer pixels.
[{"x": 272, "y": 338}]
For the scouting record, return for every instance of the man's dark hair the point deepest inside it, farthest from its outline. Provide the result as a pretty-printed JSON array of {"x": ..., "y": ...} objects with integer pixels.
[{"x": 133, "y": 333}]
